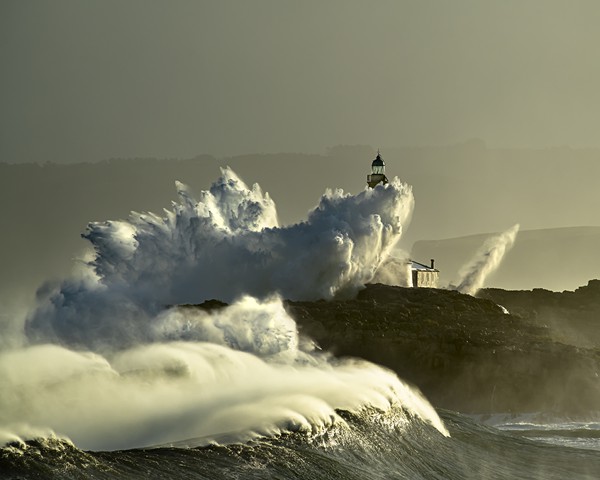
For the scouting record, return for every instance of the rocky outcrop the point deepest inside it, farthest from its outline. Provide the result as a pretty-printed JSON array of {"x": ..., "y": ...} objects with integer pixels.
[
  {"x": 464, "y": 353},
  {"x": 570, "y": 317}
]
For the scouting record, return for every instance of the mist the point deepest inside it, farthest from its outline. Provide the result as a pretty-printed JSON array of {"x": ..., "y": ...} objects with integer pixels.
[
  {"x": 463, "y": 100},
  {"x": 207, "y": 77},
  {"x": 395, "y": 271},
  {"x": 116, "y": 118},
  {"x": 192, "y": 392},
  {"x": 486, "y": 260},
  {"x": 223, "y": 245},
  {"x": 234, "y": 378},
  {"x": 106, "y": 363},
  {"x": 60, "y": 200}
]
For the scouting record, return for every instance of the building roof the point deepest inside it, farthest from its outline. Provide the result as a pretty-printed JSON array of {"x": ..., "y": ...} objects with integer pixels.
[
  {"x": 420, "y": 267},
  {"x": 378, "y": 162}
]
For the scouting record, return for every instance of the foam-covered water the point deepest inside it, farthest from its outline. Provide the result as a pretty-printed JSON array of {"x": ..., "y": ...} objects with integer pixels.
[
  {"x": 370, "y": 444},
  {"x": 109, "y": 363},
  {"x": 236, "y": 373},
  {"x": 554, "y": 431}
]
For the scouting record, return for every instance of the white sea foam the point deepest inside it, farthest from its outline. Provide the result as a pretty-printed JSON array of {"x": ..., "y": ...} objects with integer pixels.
[
  {"x": 110, "y": 366},
  {"x": 224, "y": 245},
  {"x": 241, "y": 372},
  {"x": 228, "y": 243}
]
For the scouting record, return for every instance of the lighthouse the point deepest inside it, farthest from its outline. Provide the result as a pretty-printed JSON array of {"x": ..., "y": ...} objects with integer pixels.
[{"x": 377, "y": 175}]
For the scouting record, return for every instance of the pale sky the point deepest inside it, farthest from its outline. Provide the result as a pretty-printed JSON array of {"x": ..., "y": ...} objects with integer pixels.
[{"x": 84, "y": 81}]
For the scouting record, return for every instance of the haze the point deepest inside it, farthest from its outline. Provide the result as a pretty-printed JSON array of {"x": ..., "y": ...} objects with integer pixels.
[
  {"x": 85, "y": 81},
  {"x": 489, "y": 109}
]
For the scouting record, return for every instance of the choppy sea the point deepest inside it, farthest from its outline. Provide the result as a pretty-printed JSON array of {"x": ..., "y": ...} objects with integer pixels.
[{"x": 371, "y": 444}]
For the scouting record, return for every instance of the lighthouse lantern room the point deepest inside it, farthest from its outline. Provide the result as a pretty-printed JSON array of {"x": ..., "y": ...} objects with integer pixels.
[{"x": 377, "y": 175}]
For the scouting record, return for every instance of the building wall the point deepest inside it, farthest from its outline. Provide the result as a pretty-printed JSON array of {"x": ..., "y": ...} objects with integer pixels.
[{"x": 424, "y": 278}]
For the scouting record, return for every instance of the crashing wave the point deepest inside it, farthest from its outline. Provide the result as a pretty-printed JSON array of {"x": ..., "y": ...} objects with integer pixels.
[
  {"x": 224, "y": 245},
  {"x": 109, "y": 366}
]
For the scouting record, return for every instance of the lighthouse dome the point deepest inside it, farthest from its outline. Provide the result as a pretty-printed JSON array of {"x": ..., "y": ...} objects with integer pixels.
[
  {"x": 378, "y": 162},
  {"x": 378, "y": 165}
]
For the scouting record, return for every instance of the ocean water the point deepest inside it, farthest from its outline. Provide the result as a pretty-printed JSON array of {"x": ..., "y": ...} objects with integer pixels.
[
  {"x": 110, "y": 377},
  {"x": 565, "y": 433},
  {"x": 370, "y": 444}
]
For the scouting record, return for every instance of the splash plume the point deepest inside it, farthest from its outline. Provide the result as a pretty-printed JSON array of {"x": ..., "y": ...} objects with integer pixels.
[
  {"x": 223, "y": 245},
  {"x": 486, "y": 260},
  {"x": 110, "y": 366},
  {"x": 227, "y": 376},
  {"x": 395, "y": 271}
]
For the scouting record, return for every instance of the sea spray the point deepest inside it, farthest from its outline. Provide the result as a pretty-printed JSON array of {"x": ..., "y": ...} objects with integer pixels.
[
  {"x": 240, "y": 373},
  {"x": 485, "y": 261},
  {"x": 395, "y": 271},
  {"x": 113, "y": 364},
  {"x": 223, "y": 245},
  {"x": 228, "y": 243}
]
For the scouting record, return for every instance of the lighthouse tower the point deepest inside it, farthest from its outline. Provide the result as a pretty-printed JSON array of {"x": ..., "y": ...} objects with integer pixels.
[{"x": 377, "y": 175}]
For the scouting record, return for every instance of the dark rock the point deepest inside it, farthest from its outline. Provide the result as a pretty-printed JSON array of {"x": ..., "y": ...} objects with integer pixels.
[
  {"x": 208, "y": 305},
  {"x": 571, "y": 317},
  {"x": 463, "y": 352}
]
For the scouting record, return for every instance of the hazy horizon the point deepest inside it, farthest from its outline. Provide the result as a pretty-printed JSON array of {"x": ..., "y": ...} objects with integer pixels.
[
  {"x": 97, "y": 80},
  {"x": 488, "y": 109},
  {"x": 459, "y": 191}
]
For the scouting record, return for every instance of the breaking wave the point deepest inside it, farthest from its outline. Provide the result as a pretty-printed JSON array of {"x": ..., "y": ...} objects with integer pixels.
[
  {"x": 112, "y": 361},
  {"x": 223, "y": 245}
]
